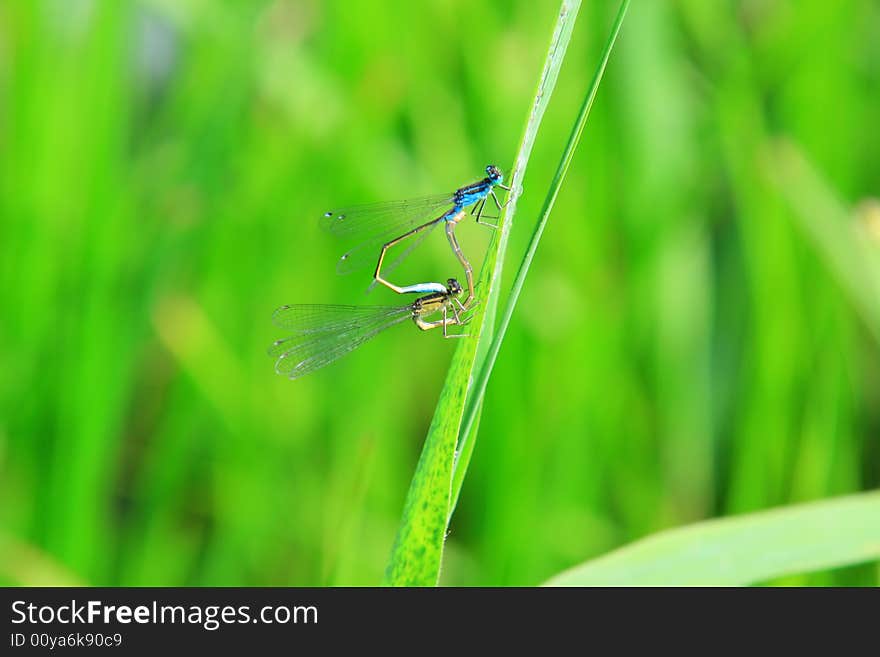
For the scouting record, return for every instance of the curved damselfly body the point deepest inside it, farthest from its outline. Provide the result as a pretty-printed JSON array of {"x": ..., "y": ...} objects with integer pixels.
[
  {"x": 321, "y": 334},
  {"x": 377, "y": 227}
]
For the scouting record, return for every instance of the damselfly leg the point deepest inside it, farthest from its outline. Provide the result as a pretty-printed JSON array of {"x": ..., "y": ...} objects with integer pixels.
[
  {"x": 479, "y": 207},
  {"x": 377, "y": 274},
  {"x": 466, "y": 265},
  {"x": 445, "y": 322}
]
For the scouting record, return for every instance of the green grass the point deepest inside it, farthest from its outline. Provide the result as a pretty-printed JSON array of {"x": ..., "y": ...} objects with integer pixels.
[
  {"x": 846, "y": 246},
  {"x": 467, "y": 432},
  {"x": 416, "y": 556},
  {"x": 743, "y": 550},
  {"x": 689, "y": 344}
]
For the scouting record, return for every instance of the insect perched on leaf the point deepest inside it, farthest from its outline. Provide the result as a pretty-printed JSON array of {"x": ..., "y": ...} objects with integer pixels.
[{"x": 379, "y": 226}]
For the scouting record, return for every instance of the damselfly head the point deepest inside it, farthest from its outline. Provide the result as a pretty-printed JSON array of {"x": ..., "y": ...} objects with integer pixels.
[
  {"x": 494, "y": 174},
  {"x": 453, "y": 287}
]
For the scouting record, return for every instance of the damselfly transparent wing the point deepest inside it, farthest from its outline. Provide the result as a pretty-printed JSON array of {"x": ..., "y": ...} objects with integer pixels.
[
  {"x": 325, "y": 333},
  {"x": 304, "y": 319},
  {"x": 363, "y": 221},
  {"x": 367, "y": 253},
  {"x": 368, "y": 227}
]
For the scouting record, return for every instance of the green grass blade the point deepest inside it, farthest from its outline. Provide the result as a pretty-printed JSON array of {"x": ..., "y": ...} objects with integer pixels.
[
  {"x": 851, "y": 257},
  {"x": 416, "y": 555},
  {"x": 475, "y": 399},
  {"x": 743, "y": 549},
  {"x": 22, "y": 564}
]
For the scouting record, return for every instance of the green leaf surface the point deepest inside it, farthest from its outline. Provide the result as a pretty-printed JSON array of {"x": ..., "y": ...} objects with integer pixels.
[
  {"x": 417, "y": 552},
  {"x": 23, "y": 564},
  {"x": 481, "y": 381},
  {"x": 743, "y": 550}
]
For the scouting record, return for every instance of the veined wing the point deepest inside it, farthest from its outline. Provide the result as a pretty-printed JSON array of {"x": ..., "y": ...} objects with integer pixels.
[
  {"x": 309, "y": 319},
  {"x": 366, "y": 253},
  {"x": 312, "y": 349},
  {"x": 364, "y": 221}
]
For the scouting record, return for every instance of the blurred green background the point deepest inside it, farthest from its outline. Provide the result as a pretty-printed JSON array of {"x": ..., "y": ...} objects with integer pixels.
[{"x": 681, "y": 351}]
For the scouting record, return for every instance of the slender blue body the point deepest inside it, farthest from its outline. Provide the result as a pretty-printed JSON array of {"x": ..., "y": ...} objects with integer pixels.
[
  {"x": 474, "y": 195},
  {"x": 379, "y": 219}
]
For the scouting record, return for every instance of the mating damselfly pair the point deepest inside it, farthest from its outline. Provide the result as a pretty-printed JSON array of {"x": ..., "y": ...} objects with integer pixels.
[{"x": 320, "y": 334}]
